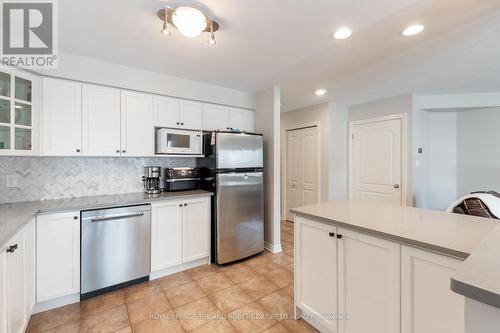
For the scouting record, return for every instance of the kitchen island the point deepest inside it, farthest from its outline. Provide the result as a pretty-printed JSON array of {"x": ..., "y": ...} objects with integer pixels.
[{"x": 362, "y": 266}]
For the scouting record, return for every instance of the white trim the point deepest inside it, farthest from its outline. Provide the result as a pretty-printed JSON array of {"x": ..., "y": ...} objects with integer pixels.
[
  {"x": 284, "y": 163},
  {"x": 404, "y": 152},
  {"x": 56, "y": 303},
  {"x": 276, "y": 248},
  {"x": 178, "y": 268}
]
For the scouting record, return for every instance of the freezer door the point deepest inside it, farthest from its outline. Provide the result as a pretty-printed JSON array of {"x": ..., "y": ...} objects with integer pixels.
[
  {"x": 239, "y": 151},
  {"x": 240, "y": 215}
]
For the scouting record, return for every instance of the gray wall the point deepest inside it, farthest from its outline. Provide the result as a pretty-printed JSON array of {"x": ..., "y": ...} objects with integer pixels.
[
  {"x": 478, "y": 144},
  {"x": 41, "y": 178}
]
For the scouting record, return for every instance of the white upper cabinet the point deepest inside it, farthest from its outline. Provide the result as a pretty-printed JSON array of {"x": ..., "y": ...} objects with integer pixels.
[
  {"x": 100, "y": 121},
  {"x": 137, "y": 128},
  {"x": 176, "y": 113},
  {"x": 61, "y": 118},
  {"x": 191, "y": 115},
  {"x": 215, "y": 117},
  {"x": 167, "y": 112},
  {"x": 241, "y": 119},
  {"x": 223, "y": 118},
  {"x": 19, "y": 101}
]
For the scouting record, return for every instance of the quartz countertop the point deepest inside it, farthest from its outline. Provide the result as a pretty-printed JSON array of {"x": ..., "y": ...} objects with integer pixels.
[
  {"x": 450, "y": 234},
  {"x": 479, "y": 277},
  {"x": 474, "y": 239},
  {"x": 13, "y": 216}
]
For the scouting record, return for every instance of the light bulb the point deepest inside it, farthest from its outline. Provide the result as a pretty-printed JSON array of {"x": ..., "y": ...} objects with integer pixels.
[
  {"x": 413, "y": 30},
  {"x": 190, "y": 22},
  {"x": 342, "y": 33},
  {"x": 212, "y": 40},
  {"x": 165, "y": 30}
]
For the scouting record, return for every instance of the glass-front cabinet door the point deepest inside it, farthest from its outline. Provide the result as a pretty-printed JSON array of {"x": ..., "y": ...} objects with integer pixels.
[{"x": 18, "y": 116}]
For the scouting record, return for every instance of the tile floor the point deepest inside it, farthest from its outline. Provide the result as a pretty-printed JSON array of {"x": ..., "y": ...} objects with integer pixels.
[{"x": 255, "y": 295}]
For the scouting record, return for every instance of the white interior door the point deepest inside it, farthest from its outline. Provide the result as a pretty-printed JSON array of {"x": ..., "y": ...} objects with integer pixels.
[
  {"x": 302, "y": 164},
  {"x": 376, "y": 167}
]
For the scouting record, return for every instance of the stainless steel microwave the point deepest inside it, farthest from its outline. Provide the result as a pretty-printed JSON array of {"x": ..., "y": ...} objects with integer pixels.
[{"x": 173, "y": 141}]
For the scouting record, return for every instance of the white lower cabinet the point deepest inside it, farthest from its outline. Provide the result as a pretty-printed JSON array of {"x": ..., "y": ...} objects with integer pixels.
[
  {"x": 17, "y": 280},
  {"x": 58, "y": 255},
  {"x": 428, "y": 304},
  {"x": 368, "y": 283},
  {"x": 166, "y": 235},
  {"x": 196, "y": 229},
  {"x": 316, "y": 271},
  {"x": 372, "y": 284},
  {"x": 180, "y": 232}
]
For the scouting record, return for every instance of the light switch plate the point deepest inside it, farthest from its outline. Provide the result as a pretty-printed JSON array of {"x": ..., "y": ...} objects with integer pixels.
[{"x": 11, "y": 181}]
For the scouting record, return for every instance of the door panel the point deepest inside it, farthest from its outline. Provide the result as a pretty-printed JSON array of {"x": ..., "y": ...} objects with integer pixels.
[
  {"x": 302, "y": 168},
  {"x": 61, "y": 118},
  {"x": 242, "y": 120},
  {"x": 240, "y": 220},
  {"x": 100, "y": 121},
  {"x": 215, "y": 117},
  {"x": 58, "y": 255},
  {"x": 316, "y": 273},
  {"x": 196, "y": 225},
  {"x": 166, "y": 112},
  {"x": 377, "y": 161},
  {"x": 372, "y": 300},
  {"x": 15, "y": 286},
  {"x": 239, "y": 151},
  {"x": 137, "y": 130},
  {"x": 428, "y": 303},
  {"x": 191, "y": 115},
  {"x": 166, "y": 235}
]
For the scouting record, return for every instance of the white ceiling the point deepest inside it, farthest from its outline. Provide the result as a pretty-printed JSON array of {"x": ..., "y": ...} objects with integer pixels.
[{"x": 262, "y": 43}]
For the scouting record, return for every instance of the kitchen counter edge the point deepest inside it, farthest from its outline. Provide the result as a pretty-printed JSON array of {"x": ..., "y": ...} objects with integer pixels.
[{"x": 22, "y": 212}]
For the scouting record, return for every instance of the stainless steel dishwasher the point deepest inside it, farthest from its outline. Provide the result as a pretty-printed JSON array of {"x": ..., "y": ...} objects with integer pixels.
[{"x": 116, "y": 248}]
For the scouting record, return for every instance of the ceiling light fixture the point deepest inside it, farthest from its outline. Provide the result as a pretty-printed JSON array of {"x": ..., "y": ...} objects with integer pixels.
[
  {"x": 413, "y": 30},
  {"x": 320, "y": 92},
  {"x": 189, "y": 21},
  {"x": 342, "y": 33}
]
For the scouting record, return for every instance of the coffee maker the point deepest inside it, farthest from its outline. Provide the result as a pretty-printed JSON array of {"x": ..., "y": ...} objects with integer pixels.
[{"x": 151, "y": 179}]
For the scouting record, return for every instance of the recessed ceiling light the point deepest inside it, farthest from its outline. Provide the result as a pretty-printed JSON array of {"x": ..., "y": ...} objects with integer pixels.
[
  {"x": 320, "y": 92},
  {"x": 342, "y": 33},
  {"x": 413, "y": 30}
]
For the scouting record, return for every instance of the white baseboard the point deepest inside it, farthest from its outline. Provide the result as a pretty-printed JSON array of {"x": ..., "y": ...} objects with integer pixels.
[
  {"x": 276, "y": 248},
  {"x": 182, "y": 267},
  {"x": 56, "y": 303}
]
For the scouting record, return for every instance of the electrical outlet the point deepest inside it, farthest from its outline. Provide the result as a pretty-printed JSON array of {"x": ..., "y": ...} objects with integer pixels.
[{"x": 11, "y": 180}]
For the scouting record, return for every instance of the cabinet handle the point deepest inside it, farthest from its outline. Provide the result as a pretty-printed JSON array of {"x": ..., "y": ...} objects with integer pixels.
[
  {"x": 185, "y": 205},
  {"x": 182, "y": 124},
  {"x": 124, "y": 151},
  {"x": 227, "y": 128},
  {"x": 118, "y": 151},
  {"x": 178, "y": 123},
  {"x": 78, "y": 150},
  {"x": 339, "y": 236},
  {"x": 12, "y": 248},
  {"x": 180, "y": 205},
  {"x": 331, "y": 234},
  {"x": 75, "y": 217}
]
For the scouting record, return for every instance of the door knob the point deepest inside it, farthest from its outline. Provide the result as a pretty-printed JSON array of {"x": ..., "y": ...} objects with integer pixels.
[{"x": 396, "y": 185}]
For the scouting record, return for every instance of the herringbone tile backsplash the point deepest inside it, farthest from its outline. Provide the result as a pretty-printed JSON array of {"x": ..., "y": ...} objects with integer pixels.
[{"x": 41, "y": 178}]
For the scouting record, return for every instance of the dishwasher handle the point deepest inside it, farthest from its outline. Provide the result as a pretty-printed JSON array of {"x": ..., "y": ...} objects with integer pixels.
[{"x": 115, "y": 217}]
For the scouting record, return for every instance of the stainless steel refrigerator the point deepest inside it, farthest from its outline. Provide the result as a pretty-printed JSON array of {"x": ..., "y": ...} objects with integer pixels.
[{"x": 233, "y": 170}]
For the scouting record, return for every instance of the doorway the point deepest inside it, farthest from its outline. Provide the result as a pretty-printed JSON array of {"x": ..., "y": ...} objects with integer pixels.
[
  {"x": 302, "y": 168},
  {"x": 377, "y": 159}
]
